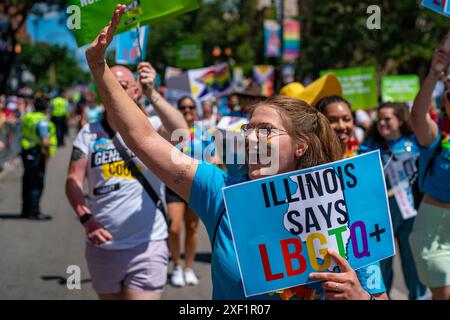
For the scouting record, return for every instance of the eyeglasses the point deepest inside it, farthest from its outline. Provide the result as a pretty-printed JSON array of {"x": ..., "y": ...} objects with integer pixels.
[
  {"x": 182, "y": 108},
  {"x": 384, "y": 120},
  {"x": 263, "y": 131}
]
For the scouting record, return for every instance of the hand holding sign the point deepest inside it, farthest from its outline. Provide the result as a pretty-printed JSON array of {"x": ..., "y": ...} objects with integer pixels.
[
  {"x": 147, "y": 77},
  {"x": 341, "y": 286},
  {"x": 95, "y": 54},
  {"x": 442, "y": 55}
]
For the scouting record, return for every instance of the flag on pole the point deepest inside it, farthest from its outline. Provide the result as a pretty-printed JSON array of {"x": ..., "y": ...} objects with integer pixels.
[{"x": 291, "y": 38}]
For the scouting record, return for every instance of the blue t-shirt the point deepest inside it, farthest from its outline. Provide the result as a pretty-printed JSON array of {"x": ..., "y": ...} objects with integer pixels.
[
  {"x": 207, "y": 201},
  {"x": 43, "y": 129},
  {"x": 435, "y": 182}
]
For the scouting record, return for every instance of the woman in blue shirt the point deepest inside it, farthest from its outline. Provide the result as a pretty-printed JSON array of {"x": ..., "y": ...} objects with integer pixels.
[
  {"x": 393, "y": 136},
  {"x": 302, "y": 133},
  {"x": 430, "y": 238}
]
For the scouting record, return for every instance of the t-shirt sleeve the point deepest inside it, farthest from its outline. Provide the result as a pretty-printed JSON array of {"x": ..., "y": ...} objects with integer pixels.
[
  {"x": 43, "y": 129},
  {"x": 82, "y": 140},
  {"x": 206, "y": 194},
  {"x": 156, "y": 122},
  {"x": 371, "y": 278}
]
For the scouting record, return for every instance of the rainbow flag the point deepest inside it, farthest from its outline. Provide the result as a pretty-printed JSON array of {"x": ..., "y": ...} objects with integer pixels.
[
  {"x": 291, "y": 40},
  {"x": 215, "y": 80}
]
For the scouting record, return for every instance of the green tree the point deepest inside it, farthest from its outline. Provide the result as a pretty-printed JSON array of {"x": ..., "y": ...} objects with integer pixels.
[
  {"x": 235, "y": 24},
  {"x": 335, "y": 35},
  {"x": 40, "y": 58},
  {"x": 17, "y": 12}
]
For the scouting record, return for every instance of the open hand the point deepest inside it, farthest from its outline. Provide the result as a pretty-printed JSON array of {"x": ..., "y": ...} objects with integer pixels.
[
  {"x": 441, "y": 57},
  {"x": 95, "y": 54},
  {"x": 341, "y": 286}
]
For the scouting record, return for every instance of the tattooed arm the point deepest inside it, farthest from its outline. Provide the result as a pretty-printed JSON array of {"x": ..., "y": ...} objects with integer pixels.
[
  {"x": 74, "y": 181},
  {"x": 74, "y": 191}
]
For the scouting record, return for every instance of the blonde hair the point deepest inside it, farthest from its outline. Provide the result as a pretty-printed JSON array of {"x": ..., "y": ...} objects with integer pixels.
[{"x": 305, "y": 123}]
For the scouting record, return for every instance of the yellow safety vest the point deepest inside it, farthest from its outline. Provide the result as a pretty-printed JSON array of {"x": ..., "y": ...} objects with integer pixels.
[
  {"x": 59, "y": 107},
  {"x": 30, "y": 138}
]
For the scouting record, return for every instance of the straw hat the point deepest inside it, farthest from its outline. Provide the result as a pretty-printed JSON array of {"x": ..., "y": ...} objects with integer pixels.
[{"x": 325, "y": 86}]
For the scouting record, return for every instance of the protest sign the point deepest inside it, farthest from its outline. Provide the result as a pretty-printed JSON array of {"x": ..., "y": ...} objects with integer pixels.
[
  {"x": 282, "y": 231},
  {"x": 401, "y": 174},
  {"x": 272, "y": 39},
  {"x": 403, "y": 88},
  {"x": 359, "y": 86},
  {"x": 131, "y": 46},
  {"x": 189, "y": 54},
  {"x": 439, "y": 6},
  {"x": 95, "y": 15}
]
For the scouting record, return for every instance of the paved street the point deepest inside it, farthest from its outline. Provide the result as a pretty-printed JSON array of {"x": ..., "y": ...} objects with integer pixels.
[{"x": 36, "y": 255}]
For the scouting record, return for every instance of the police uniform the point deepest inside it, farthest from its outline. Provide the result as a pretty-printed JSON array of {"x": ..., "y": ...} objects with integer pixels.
[
  {"x": 35, "y": 126},
  {"x": 59, "y": 118}
]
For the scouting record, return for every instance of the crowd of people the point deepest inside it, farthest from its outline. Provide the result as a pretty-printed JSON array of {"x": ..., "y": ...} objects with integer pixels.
[{"x": 139, "y": 197}]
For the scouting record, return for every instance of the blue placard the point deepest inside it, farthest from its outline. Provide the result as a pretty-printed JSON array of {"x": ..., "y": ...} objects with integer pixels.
[
  {"x": 128, "y": 49},
  {"x": 283, "y": 225},
  {"x": 438, "y": 6}
]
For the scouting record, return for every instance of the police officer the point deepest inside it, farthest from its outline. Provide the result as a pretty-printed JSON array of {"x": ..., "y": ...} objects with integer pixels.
[
  {"x": 38, "y": 144},
  {"x": 60, "y": 112}
]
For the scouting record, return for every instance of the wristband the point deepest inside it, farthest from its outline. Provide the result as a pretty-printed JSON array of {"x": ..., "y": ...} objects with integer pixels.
[
  {"x": 155, "y": 98},
  {"x": 85, "y": 218}
]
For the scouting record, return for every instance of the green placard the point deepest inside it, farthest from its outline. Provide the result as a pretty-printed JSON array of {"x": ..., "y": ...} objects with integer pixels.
[
  {"x": 359, "y": 86},
  {"x": 189, "y": 54},
  {"x": 402, "y": 88},
  {"x": 95, "y": 14}
]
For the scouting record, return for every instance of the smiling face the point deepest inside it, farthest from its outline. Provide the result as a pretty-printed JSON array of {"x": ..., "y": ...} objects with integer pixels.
[
  {"x": 281, "y": 146},
  {"x": 341, "y": 120},
  {"x": 388, "y": 124},
  {"x": 188, "y": 109}
]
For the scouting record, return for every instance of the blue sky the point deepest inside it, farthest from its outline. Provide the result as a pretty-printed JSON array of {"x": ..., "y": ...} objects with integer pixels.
[{"x": 52, "y": 29}]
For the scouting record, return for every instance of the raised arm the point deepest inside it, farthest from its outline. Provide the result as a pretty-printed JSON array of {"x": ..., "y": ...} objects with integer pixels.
[
  {"x": 170, "y": 165},
  {"x": 425, "y": 129},
  {"x": 171, "y": 118}
]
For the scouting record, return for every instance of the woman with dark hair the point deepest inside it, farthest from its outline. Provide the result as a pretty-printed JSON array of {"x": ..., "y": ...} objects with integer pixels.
[
  {"x": 392, "y": 134},
  {"x": 339, "y": 112},
  {"x": 302, "y": 134}
]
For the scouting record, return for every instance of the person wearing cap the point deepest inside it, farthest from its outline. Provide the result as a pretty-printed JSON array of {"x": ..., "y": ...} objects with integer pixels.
[
  {"x": 302, "y": 134},
  {"x": 125, "y": 224}
]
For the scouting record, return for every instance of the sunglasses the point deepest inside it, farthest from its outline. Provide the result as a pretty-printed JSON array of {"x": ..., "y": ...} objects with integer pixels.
[
  {"x": 384, "y": 120},
  {"x": 187, "y": 107}
]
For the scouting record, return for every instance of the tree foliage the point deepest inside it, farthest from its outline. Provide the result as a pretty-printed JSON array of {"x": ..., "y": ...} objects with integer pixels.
[
  {"x": 335, "y": 35},
  {"x": 39, "y": 57}
]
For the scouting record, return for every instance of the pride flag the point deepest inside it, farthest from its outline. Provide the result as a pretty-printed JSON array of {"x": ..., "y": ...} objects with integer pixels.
[
  {"x": 291, "y": 40},
  {"x": 211, "y": 81}
]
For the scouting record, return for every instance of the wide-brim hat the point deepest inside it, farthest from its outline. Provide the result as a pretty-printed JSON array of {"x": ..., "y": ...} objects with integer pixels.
[{"x": 325, "y": 86}]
